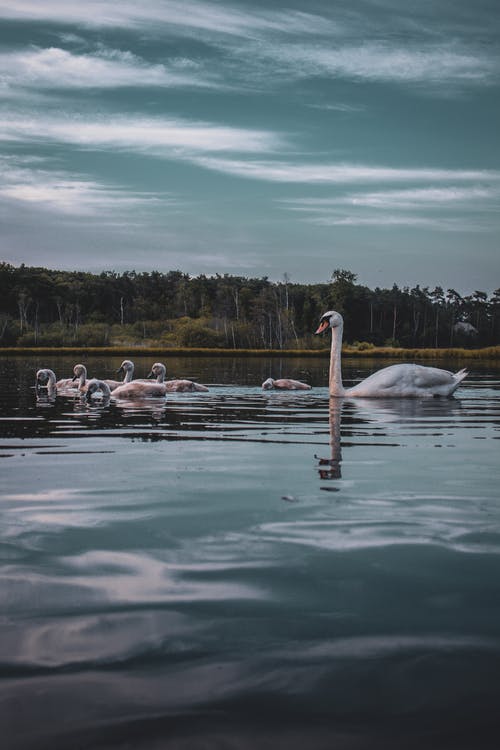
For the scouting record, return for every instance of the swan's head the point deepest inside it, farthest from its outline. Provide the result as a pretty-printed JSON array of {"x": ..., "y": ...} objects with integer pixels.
[
  {"x": 44, "y": 377},
  {"x": 78, "y": 371},
  {"x": 268, "y": 384},
  {"x": 330, "y": 319},
  {"x": 158, "y": 369},
  {"x": 96, "y": 387},
  {"x": 126, "y": 366}
]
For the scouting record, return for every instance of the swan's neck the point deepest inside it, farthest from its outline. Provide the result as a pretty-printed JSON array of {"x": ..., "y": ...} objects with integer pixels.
[
  {"x": 51, "y": 383},
  {"x": 335, "y": 381},
  {"x": 129, "y": 373},
  {"x": 82, "y": 380}
]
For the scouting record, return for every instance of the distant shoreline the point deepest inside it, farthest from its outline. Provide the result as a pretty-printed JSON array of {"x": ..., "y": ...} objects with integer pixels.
[{"x": 489, "y": 353}]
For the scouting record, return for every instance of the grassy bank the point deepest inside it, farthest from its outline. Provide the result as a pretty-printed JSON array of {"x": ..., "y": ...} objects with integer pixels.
[{"x": 386, "y": 352}]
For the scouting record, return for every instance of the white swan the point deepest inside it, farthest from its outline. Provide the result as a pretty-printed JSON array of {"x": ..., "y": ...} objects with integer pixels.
[
  {"x": 395, "y": 381},
  {"x": 285, "y": 384},
  {"x": 178, "y": 385}
]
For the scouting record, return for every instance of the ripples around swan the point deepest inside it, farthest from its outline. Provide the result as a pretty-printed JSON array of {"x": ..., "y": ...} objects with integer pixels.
[{"x": 246, "y": 569}]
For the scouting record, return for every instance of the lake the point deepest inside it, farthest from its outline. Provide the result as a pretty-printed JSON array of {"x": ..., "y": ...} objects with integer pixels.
[{"x": 245, "y": 570}]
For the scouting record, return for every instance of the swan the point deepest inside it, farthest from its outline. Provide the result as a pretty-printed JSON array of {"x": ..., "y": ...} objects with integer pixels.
[
  {"x": 285, "y": 384},
  {"x": 126, "y": 367},
  {"x": 80, "y": 375},
  {"x": 158, "y": 372},
  {"x": 395, "y": 381},
  {"x": 96, "y": 387},
  {"x": 184, "y": 386},
  {"x": 140, "y": 389},
  {"x": 46, "y": 378},
  {"x": 178, "y": 385}
]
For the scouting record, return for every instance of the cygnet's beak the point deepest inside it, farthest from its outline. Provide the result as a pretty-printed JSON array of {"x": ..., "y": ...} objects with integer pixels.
[{"x": 151, "y": 374}]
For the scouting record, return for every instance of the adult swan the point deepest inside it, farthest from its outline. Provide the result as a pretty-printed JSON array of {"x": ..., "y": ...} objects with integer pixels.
[{"x": 395, "y": 381}]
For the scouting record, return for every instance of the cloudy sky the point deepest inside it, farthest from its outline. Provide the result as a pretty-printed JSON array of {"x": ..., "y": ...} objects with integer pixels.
[{"x": 253, "y": 137}]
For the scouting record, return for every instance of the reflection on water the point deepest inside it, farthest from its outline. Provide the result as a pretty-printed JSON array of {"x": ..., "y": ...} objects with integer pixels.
[
  {"x": 249, "y": 569},
  {"x": 334, "y": 460}
]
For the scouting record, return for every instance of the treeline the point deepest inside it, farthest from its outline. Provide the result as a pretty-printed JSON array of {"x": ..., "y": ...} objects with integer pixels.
[{"x": 42, "y": 307}]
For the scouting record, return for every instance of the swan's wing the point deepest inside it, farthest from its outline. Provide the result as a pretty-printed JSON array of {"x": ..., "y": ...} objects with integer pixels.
[
  {"x": 428, "y": 377},
  {"x": 406, "y": 380}
]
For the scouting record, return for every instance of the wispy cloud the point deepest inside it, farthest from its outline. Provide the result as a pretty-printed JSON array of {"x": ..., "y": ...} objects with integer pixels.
[
  {"x": 167, "y": 137},
  {"x": 184, "y": 14},
  {"x": 58, "y": 68},
  {"x": 449, "y": 208},
  {"x": 435, "y": 62},
  {"x": 388, "y": 221},
  {"x": 31, "y": 182},
  {"x": 335, "y": 43},
  {"x": 318, "y": 174},
  {"x": 415, "y": 198}
]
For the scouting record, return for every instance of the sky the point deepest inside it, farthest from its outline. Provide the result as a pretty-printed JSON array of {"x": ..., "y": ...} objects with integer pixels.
[{"x": 254, "y": 138}]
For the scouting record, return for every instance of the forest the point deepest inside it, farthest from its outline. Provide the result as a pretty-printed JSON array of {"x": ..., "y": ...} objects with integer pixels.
[{"x": 43, "y": 307}]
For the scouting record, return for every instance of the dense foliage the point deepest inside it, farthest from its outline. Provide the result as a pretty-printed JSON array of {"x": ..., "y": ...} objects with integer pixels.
[{"x": 41, "y": 307}]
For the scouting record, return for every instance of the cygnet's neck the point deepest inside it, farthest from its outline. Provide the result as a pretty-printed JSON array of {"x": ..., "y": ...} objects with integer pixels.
[
  {"x": 335, "y": 380},
  {"x": 51, "y": 383},
  {"x": 162, "y": 371}
]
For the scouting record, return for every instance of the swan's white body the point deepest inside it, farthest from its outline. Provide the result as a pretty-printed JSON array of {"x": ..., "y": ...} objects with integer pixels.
[
  {"x": 285, "y": 384},
  {"x": 395, "y": 381}
]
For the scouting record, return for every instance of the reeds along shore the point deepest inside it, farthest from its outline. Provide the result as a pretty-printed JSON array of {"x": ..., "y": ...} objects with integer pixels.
[{"x": 385, "y": 352}]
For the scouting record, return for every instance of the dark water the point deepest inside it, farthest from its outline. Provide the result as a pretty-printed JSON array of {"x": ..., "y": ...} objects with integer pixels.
[{"x": 239, "y": 569}]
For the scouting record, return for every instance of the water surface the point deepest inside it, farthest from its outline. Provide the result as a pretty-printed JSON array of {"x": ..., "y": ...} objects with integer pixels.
[{"x": 244, "y": 569}]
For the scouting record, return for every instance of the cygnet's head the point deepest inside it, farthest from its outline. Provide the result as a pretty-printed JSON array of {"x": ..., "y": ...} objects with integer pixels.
[
  {"x": 96, "y": 387},
  {"x": 158, "y": 369},
  {"x": 126, "y": 366},
  {"x": 330, "y": 319},
  {"x": 78, "y": 371},
  {"x": 44, "y": 376},
  {"x": 268, "y": 384}
]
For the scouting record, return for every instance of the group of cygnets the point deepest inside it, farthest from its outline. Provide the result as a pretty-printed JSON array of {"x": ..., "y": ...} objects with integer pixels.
[{"x": 154, "y": 386}]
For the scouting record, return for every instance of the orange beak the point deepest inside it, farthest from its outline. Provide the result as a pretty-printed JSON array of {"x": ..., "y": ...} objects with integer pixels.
[{"x": 322, "y": 326}]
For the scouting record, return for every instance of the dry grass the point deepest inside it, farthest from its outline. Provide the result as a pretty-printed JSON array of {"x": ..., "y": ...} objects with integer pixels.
[{"x": 387, "y": 352}]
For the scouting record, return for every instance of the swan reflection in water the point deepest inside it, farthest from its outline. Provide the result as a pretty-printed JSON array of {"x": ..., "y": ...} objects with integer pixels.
[
  {"x": 329, "y": 468},
  {"x": 376, "y": 414}
]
